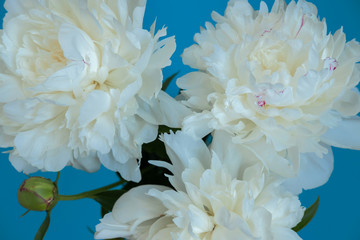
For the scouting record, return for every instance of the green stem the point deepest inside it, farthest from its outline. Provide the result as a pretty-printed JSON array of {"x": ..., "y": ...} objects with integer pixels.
[
  {"x": 57, "y": 177},
  {"x": 89, "y": 193}
]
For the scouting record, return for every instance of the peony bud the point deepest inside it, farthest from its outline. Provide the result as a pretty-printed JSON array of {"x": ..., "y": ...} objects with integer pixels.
[{"x": 38, "y": 194}]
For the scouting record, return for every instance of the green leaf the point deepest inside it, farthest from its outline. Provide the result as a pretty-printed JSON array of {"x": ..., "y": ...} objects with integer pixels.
[
  {"x": 168, "y": 81},
  {"x": 43, "y": 228},
  {"x": 90, "y": 230},
  {"x": 308, "y": 215},
  {"x": 107, "y": 199}
]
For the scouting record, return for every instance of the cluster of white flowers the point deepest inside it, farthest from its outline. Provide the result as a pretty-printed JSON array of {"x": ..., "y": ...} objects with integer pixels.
[
  {"x": 219, "y": 193},
  {"x": 278, "y": 84},
  {"x": 77, "y": 81},
  {"x": 80, "y": 85}
]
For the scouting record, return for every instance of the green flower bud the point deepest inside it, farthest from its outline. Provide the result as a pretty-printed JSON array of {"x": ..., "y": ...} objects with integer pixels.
[{"x": 38, "y": 194}]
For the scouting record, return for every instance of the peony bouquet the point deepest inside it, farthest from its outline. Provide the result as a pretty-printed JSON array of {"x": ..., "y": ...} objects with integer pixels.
[{"x": 270, "y": 92}]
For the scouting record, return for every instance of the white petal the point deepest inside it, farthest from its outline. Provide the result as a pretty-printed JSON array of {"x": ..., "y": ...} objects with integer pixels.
[
  {"x": 345, "y": 135},
  {"x": 314, "y": 171},
  {"x": 160, "y": 230},
  {"x": 96, "y": 103},
  {"x": 129, "y": 170},
  {"x": 136, "y": 206},
  {"x": 89, "y": 163},
  {"x": 286, "y": 166},
  {"x": 66, "y": 79},
  {"x": 231, "y": 221},
  {"x": 109, "y": 228},
  {"x": 280, "y": 233},
  {"x": 161, "y": 57},
  {"x": 10, "y": 88},
  {"x": 182, "y": 148},
  {"x": 21, "y": 165},
  {"x": 200, "y": 222},
  {"x": 199, "y": 124},
  {"x": 163, "y": 110},
  {"x": 78, "y": 46}
]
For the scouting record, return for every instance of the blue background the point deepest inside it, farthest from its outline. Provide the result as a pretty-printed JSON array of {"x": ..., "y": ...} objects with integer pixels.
[{"x": 339, "y": 212}]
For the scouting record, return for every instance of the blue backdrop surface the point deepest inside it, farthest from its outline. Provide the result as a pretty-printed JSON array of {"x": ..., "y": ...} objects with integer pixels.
[{"x": 339, "y": 212}]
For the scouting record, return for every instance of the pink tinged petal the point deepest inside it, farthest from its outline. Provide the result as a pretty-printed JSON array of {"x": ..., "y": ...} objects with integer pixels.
[
  {"x": 89, "y": 163},
  {"x": 96, "y": 103},
  {"x": 331, "y": 64},
  {"x": 163, "y": 110},
  {"x": 78, "y": 46},
  {"x": 344, "y": 135},
  {"x": 314, "y": 172},
  {"x": 136, "y": 206}
]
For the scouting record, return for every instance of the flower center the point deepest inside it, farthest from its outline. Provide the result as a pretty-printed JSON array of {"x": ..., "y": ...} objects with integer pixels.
[
  {"x": 40, "y": 57},
  {"x": 331, "y": 64},
  {"x": 270, "y": 55}
]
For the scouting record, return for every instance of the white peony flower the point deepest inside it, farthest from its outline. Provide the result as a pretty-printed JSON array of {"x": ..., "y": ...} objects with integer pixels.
[
  {"x": 217, "y": 194},
  {"x": 80, "y": 81},
  {"x": 277, "y": 83}
]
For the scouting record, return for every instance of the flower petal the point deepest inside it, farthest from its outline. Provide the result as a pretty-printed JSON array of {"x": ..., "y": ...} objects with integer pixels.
[
  {"x": 345, "y": 135},
  {"x": 314, "y": 172}
]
